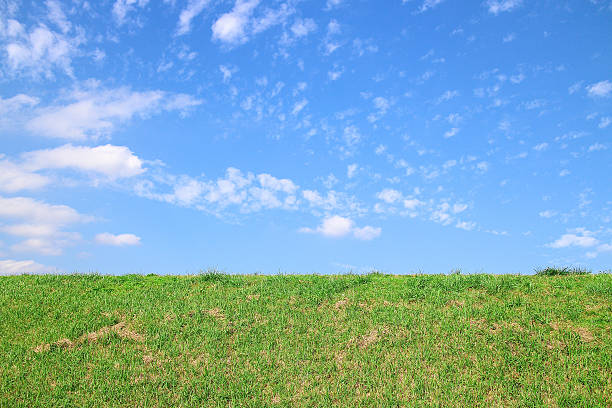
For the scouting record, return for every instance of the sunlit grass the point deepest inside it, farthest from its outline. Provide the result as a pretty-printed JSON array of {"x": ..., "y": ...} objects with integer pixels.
[{"x": 355, "y": 340}]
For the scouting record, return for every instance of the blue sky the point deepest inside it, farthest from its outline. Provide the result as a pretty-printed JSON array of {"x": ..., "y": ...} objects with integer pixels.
[{"x": 168, "y": 136}]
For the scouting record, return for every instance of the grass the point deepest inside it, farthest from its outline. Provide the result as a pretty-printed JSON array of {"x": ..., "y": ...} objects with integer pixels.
[
  {"x": 306, "y": 341},
  {"x": 566, "y": 270}
]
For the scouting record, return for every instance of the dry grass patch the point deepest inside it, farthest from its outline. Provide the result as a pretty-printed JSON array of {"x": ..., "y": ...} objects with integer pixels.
[{"x": 120, "y": 329}]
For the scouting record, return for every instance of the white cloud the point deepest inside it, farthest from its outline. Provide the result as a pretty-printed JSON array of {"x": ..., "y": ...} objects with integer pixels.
[
  {"x": 298, "y": 106},
  {"x": 39, "y": 212},
  {"x": 13, "y": 27},
  {"x": 331, "y": 46},
  {"x": 380, "y": 149},
  {"x": 49, "y": 246},
  {"x": 360, "y": 47},
  {"x": 248, "y": 192},
  {"x": 335, "y": 74},
  {"x": 231, "y": 27},
  {"x": 499, "y": 6},
  {"x": 272, "y": 17},
  {"x": 428, "y": 4},
  {"x": 534, "y": 104},
  {"x": 95, "y": 112},
  {"x": 596, "y": 147},
  {"x": 330, "y": 42},
  {"x": 333, "y": 202},
  {"x": 412, "y": 203},
  {"x": 122, "y": 7},
  {"x": 605, "y": 248},
  {"x": 381, "y": 105},
  {"x": 12, "y": 267},
  {"x": 441, "y": 214},
  {"x": 193, "y": 9},
  {"x": 452, "y": 132},
  {"x": 57, "y": 16},
  {"x": 227, "y": 72},
  {"x": 230, "y": 189},
  {"x": 517, "y": 79},
  {"x": 510, "y": 37},
  {"x": 466, "y": 225},
  {"x": 454, "y": 118},
  {"x": 575, "y": 87},
  {"x": 112, "y": 161},
  {"x": 39, "y": 52},
  {"x": 14, "y": 178},
  {"x": 482, "y": 166},
  {"x": 600, "y": 89},
  {"x": 447, "y": 96},
  {"x": 302, "y": 28},
  {"x": 41, "y": 224},
  {"x": 333, "y": 27},
  {"x": 458, "y": 208},
  {"x": 601, "y": 248},
  {"x": 367, "y": 233},
  {"x": 520, "y": 155},
  {"x": 272, "y": 183},
  {"x": 336, "y": 227},
  {"x": 449, "y": 164},
  {"x": 351, "y": 135},
  {"x": 29, "y": 230},
  {"x": 16, "y": 103},
  {"x": 540, "y": 147},
  {"x": 605, "y": 122},
  {"x": 332, "y": 3},
  {"x": 427, "y": 55},
  {"x": 389, "y": 195},
  {"x": 580, "y": 238},
  {"x": 547, "y": 214},
  {"x": 351, "y": 170},
  {"x": 106, "y": 238}
]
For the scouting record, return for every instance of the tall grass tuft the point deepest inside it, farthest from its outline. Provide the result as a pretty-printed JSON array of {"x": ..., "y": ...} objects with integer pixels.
[{"x": 566, "y": 270}]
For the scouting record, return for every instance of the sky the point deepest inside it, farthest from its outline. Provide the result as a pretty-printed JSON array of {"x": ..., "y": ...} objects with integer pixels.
[{"x": 297, "y": 136}]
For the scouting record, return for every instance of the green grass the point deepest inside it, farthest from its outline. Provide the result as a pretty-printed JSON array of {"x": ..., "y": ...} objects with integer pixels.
[
  {"x": 306, "y": 341},
  {"x": 566, "y": 270}
]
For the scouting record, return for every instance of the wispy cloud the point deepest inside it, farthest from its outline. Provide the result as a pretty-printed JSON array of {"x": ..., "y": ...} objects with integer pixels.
[
  {"x": 578, "y": 238},
  {"x": 121, "y": 8},
  {"x": 600, "y": 89},
  {"x": 500, "y": 6},
  {"x": 193, "y": 9},
  {"x": 41, "y": 224},
  {"x": 93, "y": 112},
  {"x": 14, "y": 267}
]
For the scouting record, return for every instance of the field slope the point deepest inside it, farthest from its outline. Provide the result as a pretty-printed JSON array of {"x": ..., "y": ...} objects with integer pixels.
[{"x": 253, "y": 341}]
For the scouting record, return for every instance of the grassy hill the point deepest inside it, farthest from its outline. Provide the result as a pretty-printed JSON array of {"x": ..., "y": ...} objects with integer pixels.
[{"x": 253, "y": 341}]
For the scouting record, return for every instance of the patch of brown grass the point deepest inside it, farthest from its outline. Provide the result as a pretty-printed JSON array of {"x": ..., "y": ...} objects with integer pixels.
[
  {"x": 585, "y": 334},
  {"x": 120, "y": 329},
  {"x": 341, "y": 304},
  {"x": 455, "y": 303},
  {"x": 372, "y": 337},
  {"x": 216, "y": 313}
]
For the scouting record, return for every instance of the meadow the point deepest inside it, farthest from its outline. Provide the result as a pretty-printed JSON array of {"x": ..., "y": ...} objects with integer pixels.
[{"x": 215, "y": 340}]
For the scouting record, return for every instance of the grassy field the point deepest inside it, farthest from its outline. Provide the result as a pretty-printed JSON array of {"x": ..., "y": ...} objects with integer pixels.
[{"x": 253, "y": 341}]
